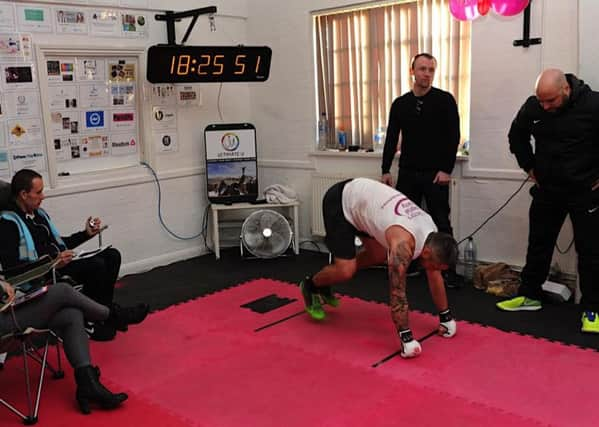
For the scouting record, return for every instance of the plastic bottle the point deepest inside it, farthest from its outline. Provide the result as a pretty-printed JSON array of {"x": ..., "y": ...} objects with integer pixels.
[
  {"x": 378, "y": 142},
  {"x": 469, "y": 261},
  {"x": 341, "y": 139},
  {"x": 323, "y": 132}
]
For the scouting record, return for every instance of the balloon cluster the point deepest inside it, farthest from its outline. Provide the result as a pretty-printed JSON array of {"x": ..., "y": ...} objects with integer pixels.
[{"x": 467, "y": 10}]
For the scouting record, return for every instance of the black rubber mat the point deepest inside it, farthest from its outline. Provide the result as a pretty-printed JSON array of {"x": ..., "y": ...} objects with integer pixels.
[{"x": 268, "y": 303}]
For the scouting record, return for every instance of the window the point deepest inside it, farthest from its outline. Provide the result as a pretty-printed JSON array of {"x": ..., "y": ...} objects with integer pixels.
[{"x": 363, "y": 63}]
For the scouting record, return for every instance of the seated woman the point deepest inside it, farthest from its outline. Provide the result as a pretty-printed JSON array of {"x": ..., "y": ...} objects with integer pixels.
[{"x": 64, "y": 310}]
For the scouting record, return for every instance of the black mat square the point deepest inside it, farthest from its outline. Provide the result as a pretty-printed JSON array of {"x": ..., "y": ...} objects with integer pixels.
[{"x": 267, "y": 303}]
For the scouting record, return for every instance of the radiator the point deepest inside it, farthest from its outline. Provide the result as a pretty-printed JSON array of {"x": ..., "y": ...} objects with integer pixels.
[{"x": 322, "y": 182}]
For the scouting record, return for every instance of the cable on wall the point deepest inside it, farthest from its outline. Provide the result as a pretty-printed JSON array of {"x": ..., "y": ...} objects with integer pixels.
[{"x": 204, "y": 229}]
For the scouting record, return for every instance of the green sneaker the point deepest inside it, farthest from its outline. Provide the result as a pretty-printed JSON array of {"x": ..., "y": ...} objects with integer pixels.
[
  {"x": 311, "y": 300},
  {"x": 328, "y": 297},
  {"x": 520, "y": 304},
  {"x": 590, "y": 322}
]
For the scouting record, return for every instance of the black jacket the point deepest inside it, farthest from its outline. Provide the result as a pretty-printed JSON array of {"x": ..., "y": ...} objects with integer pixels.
[
  {"x": 565, "y": 157},
  {"x": 430, "y": 129}
]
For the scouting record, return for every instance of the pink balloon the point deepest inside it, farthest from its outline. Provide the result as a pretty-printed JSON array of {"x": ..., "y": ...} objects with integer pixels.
[
  {"x": 464, "y": 10},
  {"x": 509, "y": 7}
]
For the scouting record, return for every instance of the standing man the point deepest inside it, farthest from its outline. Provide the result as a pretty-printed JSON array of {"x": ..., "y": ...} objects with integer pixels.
[
  {"x": 563, "y": 119},
  {"x": 28, "y": 233},
  {"x": 391, "y": 228},
  {"x": 429, "y": 123}
]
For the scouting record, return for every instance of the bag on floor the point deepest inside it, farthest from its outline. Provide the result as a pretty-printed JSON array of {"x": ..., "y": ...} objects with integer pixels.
[{"x": 497, "y": 279}]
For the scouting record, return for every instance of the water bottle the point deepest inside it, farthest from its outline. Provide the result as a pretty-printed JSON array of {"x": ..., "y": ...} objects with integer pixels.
[
  {"x": 341, "y": 140},
  {"x": 469, "y": 261},
  {"x": 465, "y": 149},
  {"x": 378, "y": 142},
  {"x": 323, "y": 132}
]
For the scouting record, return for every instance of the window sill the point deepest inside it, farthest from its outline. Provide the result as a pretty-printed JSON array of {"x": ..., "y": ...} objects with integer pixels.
[
  {"x": 347, "y": 154},
  {"x": 364, "y": 154}
]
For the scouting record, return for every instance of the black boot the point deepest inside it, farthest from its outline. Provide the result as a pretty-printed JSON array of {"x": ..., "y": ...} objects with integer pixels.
[
  {"x": 91, "y": 390},
  {"x": 121, "y": 317}
]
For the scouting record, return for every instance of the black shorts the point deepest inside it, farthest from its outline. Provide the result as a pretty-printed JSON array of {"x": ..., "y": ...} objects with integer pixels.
[{"x": 340, "y": 238}]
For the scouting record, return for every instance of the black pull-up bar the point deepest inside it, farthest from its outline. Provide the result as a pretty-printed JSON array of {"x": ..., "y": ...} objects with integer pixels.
[{"x": 526, "y": 41}]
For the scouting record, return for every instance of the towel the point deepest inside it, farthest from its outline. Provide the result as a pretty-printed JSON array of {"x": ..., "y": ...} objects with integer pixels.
[{"x": 278, "y": 193}]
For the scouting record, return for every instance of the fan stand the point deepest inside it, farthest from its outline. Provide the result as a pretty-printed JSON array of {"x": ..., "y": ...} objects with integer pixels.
[{"x": 290, "y": 250}]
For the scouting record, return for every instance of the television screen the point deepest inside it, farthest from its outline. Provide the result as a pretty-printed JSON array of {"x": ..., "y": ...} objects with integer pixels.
[{"x": 231, "y": 163}]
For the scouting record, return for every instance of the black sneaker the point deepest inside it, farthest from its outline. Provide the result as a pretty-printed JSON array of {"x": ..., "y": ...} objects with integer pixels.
[
  {"x": 452, "y": 279},
  {"x": 100, "y": 331}
]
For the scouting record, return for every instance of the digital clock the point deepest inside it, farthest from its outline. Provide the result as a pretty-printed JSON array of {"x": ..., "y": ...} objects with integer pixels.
[{"x": 208, "y": 64}]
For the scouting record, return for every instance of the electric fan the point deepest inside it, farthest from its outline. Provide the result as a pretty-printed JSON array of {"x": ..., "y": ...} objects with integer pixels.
[{"x": 265, "y": 234}]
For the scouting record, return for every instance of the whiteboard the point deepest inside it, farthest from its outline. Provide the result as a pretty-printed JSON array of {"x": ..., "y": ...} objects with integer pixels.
[{"x": 91, "y": 110}]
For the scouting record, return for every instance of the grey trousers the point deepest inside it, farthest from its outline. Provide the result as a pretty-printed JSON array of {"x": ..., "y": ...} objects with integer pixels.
[{"x": 63, "y": 310}]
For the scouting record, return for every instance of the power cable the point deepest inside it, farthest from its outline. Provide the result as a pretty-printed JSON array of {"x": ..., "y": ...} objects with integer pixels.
[
  {"x": 312, "y": 242},
  {"x": 202, "y": 233},
  {"x": 494, "y": 213},
  {"x": 499, "y": 210}
]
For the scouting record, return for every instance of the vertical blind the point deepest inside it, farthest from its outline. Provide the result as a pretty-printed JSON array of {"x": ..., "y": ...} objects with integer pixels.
[{"x": 363, "y": 62}]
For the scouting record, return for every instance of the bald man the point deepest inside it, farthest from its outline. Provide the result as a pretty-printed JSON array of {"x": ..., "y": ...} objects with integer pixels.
[{"x": 563, "y": 119}]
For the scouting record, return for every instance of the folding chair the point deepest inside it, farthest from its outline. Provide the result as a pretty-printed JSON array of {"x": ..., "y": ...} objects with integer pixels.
[
  {"x": 26, "y": 342},
  {"x": 21, "y": 342}
]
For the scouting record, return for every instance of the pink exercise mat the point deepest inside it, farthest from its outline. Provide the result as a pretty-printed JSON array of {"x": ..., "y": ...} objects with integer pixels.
[{"x": 204, "y": 361}]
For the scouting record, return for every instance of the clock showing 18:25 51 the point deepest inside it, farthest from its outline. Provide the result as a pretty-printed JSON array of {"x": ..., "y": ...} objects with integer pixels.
[{"x": 208, "y": 64}]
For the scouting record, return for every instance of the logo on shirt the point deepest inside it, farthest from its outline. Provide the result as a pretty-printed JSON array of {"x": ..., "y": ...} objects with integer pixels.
[{"x": 405, "y": 207}]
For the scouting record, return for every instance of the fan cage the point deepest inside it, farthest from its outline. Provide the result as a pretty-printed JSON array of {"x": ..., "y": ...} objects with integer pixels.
[{"x": 257, "y": 242}]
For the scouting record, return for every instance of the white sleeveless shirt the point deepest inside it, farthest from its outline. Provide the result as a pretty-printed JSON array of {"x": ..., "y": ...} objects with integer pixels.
[{"x": 372, "y": 207}]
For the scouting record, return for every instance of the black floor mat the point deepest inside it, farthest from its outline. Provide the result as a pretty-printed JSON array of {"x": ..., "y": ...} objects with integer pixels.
[{"x": 268, "y": 303}]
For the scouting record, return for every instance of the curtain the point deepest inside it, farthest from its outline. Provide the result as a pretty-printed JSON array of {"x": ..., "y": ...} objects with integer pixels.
[{"x": 363, "y": 60}]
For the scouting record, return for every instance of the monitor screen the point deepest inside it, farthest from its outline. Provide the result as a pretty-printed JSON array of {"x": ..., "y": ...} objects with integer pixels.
[{"x": 231, "y": 163}]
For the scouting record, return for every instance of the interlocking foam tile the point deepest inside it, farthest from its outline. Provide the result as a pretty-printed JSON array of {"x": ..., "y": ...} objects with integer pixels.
[
  {"x": 202, "y": 364},
  {"x": 550, "y": 381},
  {"x": 59, "y": 409},
  {"x": 246, "y": 381},
  {"x": 203, "y": 361}
]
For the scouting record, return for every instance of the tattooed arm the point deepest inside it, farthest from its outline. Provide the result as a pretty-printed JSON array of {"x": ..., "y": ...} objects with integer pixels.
[{"x": 398, "y": 260}]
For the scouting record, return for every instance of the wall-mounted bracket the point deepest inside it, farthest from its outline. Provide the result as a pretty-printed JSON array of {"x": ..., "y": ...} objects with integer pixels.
[
  {"x": 526, "y": 41},
  {"x": 171, "y": 17}
]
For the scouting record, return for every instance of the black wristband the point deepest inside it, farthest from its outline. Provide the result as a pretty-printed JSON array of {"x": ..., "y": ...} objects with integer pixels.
[
  {"x": 445, "y": 316},
  {"x": 406, "y": 335}
]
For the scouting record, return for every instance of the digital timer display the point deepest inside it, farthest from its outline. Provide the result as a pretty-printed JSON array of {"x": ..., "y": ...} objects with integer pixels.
[{"x": 208, "y": 64}]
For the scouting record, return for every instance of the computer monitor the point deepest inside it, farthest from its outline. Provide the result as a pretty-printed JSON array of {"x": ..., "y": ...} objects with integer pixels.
[{"x": 231, "y": 163}]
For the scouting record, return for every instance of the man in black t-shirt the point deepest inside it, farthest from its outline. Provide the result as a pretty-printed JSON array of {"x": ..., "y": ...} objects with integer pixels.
[{"x": 429, "y": 123}]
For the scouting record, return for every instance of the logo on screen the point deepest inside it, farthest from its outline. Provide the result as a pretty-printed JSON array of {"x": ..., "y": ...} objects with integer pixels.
[{"x": 230, "y": 141}]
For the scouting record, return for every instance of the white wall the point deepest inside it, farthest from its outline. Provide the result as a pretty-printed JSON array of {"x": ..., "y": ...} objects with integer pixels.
[
  {"x": 283, "y": 110},
  {"x": 587, "y": 58},
  {"x": 129, "y": 205}
]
